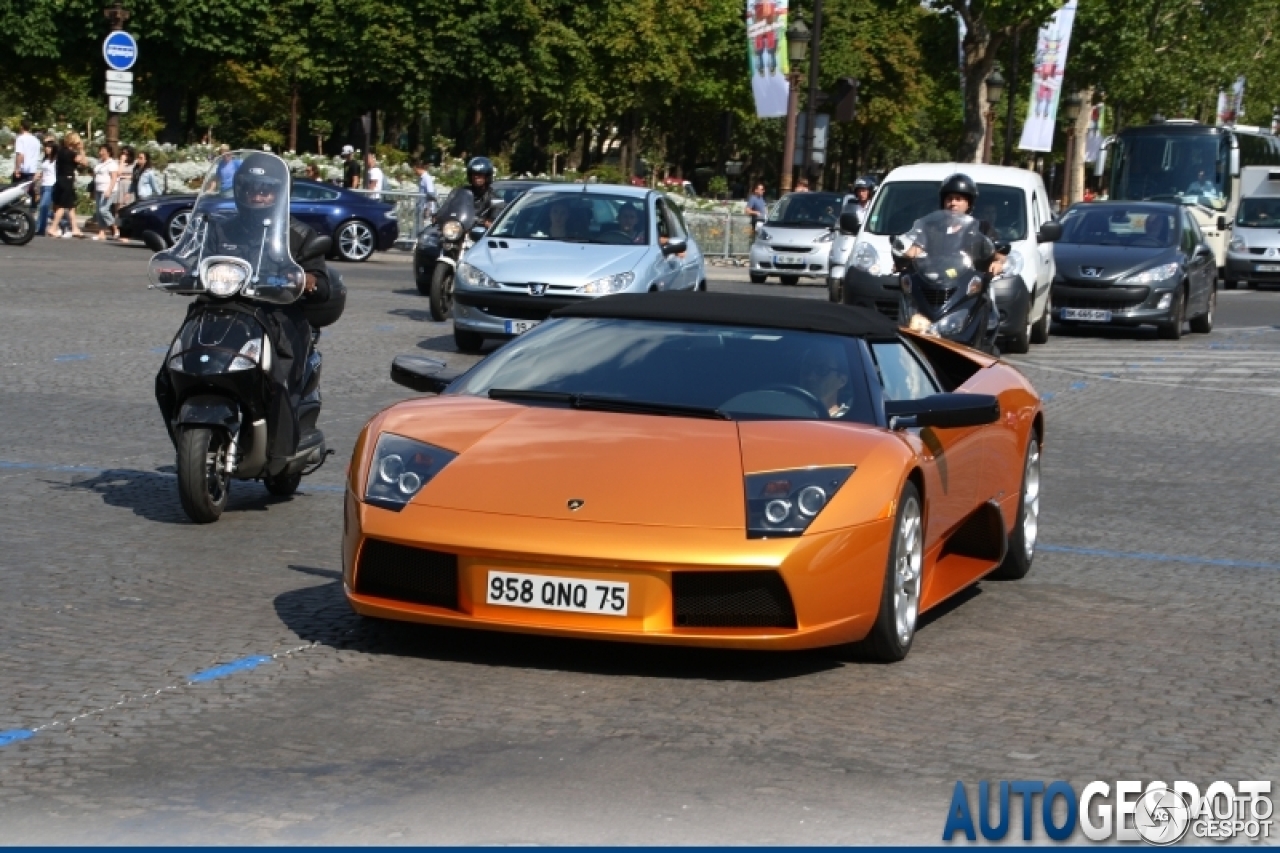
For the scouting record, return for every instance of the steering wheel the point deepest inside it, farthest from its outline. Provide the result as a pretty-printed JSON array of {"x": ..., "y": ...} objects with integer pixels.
[
  {"x": 613, "y": 237},
  {"x": 809, "y": 398}
]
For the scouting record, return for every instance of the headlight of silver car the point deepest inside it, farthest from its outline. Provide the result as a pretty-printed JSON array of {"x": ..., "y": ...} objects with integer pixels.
[
  {"x": 609, "y": 284},
  {"x": 1237, "y": 244},
  {"x": 451, "y": 230},
  {"x": 1152, "y": 276},
  {"x": 866, "y": 258},
  {"x": 785, "y": 503},
  {"x": 400, "y": 468},
  {"x": 473, "y": 277},
  {"x": 825, "y": 238}
]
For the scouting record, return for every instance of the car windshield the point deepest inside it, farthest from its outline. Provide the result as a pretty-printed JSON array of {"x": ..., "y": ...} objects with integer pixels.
[
  {"x": 1177, "y": 167},
  {"x": 1141, "y": 226},
  {"x": 807, "y": 210},
  {"x": 1259, "y": 213},
  {"x": 677, "y": 369},
  {"x": 899, "y": 204},
  {"x": 576, "y": 217}
]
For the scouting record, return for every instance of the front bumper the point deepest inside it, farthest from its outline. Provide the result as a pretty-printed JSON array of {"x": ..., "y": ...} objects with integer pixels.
[
  {"x": 881, "y": 292},
  {"x": 1246, "y": 268},
  {"x": 1013, "y": 302},
  {"x": 816, "y": 259},
  {"x": 834, "y": 579},
  {"x": 1129, "y": 305},
  {"x": 488, "y": 313}
]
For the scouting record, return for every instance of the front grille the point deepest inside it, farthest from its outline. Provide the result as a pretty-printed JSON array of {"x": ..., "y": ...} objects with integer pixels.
[
  {"x": 1101, "y": 304},
  {"x": 791, "y": 250},
  {"x": 414, "y": 575},
  {"x": 518, "y": 312},
  {"x": 732, "y": 600},
  {"x": 1104, "y": 297}
]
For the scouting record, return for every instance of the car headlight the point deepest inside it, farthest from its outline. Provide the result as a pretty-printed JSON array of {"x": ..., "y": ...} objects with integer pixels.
[
  {"x": 390, "y": 214},
  {"x": 784, "y": 503},
  {"x": 1152, "y": 276},
  {"x": 473, "y": 277},
  {"x": 609, "y": 284},
  {"x": 825, "y": 238},
  {"x": 1012, "y": 265},
  {"x": 254, "y": 352},
  {"x": 224, "y": 278},
  {"x": 451, "y": 230},
  {"x": 152, "y": 209},
  {"x": 1237, "y": 244},
  {"x": 866, "y": 258},
  {"x": 950, "y": 324},
  {"x": 400, "y": 468}
]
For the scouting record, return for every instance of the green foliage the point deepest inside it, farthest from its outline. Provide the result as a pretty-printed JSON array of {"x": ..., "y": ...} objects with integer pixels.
[
  {"x": 260, "y": 137},
  {"x": 718, "y": 187},
  {"x": 389, "y": 156},
  {"x": 141, "y": 123},
  {"x": 605, "y": 174}
]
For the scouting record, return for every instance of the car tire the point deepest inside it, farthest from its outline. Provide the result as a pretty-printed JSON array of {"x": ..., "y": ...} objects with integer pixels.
[
  {"x": 354, "y": 241},
  {"x": 1203, "y": 324},
  {"x": 1026, "y": 530},
  {"x": 467, "y": 341},
  {"x": 702, "y": 286},
  {"x": 202, "y": 486},
  {"x": 440, "y": 299},
  {"x": 176, "y": 225},
  {"x": 757, "y": 277},
  {"x": 1252, "y": 285},
  {"x": 1020, "y": 343},
  {"x": 789, "y": 280},
  {"x": 895, "y": 626},
  {"x": 24, "y": 229},
  {"x": 1229, "y": 284},
  {"x": 1172, "y": 330},
  {"x": 835, "y": 290},
  {"x": 1040, "y": 328}
]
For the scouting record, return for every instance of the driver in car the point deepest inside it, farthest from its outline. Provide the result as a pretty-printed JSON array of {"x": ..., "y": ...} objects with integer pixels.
[
  {"x": 823, "y": 377},
  {"x": 629, "y": 224},
  {"x": 1202, "y": 186}
]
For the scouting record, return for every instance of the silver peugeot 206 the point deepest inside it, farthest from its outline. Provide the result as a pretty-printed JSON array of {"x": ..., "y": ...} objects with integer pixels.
[{"x": 556, "y": 245}]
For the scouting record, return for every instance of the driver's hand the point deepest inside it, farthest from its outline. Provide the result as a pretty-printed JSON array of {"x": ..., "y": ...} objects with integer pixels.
[
  {"x": 310, "y": 286},
  {"x": 919, "y": 323}
]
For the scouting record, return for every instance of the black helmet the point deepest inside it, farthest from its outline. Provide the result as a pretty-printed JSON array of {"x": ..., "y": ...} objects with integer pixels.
[
  {"x": 959, "y": 184},
  {"x": 480, "y": 166},
  {"x": 864, "y": 184},
  {"x": 258, "y": 175}
]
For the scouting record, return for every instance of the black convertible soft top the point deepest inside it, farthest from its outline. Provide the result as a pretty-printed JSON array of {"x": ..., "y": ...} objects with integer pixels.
[{"x": 732, "y": 309}]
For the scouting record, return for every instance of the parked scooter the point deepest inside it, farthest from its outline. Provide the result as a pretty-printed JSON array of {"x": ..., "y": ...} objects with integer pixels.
[
  {"x": 946, "y": 284},
  {"x": 17, "y": 223},
  {"x": 219, "y": 389}
]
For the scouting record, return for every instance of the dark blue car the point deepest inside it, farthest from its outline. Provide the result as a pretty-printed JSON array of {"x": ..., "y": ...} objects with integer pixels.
[{"x": 358, "y": 224}]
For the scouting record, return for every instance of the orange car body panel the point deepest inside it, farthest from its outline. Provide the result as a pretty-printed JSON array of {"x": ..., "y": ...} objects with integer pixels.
[{"x": 665, "y": 494}]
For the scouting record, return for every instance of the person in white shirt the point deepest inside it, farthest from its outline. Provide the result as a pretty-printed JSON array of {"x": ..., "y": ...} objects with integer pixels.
[
  {"x": 375, "y": 177},
  {"x": 48, "y": 177},
  {"x": 104, "y": 184},
  {"x": 26, "y": 155}
]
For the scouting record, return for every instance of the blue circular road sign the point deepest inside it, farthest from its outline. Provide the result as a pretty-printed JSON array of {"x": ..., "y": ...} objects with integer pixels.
[{"x": 120, "y": 51}]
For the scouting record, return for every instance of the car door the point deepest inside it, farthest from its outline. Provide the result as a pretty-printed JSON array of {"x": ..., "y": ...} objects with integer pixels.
[
  {"x": 953, "y": 457},
  {"x": 691, "y": 262},
  {"x": 306, "y": 203},
  {"x": 665, "y": 270},
  {"x": 1200, "y": 265}
]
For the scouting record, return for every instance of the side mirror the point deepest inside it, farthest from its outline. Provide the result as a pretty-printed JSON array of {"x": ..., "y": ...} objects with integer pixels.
[
  {"x": 943, "y": 411},
  {"x": 476, "y": 233},
  {"x": 1222, "y": 223},
  {"x": 316, "y": 246},
  {"x": 1049, "y": 232},
  {"x": 849, "y": 223},
  {"x": 496, "y": 207},
  {"x": 675, "y": 247},
  {"x": 420, "y": 373},
  {"x": 153, "y": 241}
]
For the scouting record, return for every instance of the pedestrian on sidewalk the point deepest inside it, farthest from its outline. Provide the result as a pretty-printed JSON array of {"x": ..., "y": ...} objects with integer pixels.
[
  {"x": 122, "y": 193},
  {"x": 70, "y": 156},
  {"x": 26, "y": 156},
  {"x": 426, "y": 186},
  {"x": 376, "y": 179},
  {"x": 105, "y": 175},
  {"x": 146, "y": 182},
  {"x": 48, "y": 179},
  {"x": 350, "y": 168},
  {"x": 756, "y": 208}
]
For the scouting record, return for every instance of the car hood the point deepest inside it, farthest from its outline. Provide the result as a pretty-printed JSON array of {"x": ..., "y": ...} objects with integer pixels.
[
  {"x": 1258, "y": 238},
  {"x": 1114, "y": 262},
  {"x": 567, "y": 264}
]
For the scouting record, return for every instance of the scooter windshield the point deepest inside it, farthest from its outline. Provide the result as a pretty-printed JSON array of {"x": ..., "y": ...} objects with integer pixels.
[
  {"x": 950, "y": 244},
  {"x": 237, "y": 241},
  {"x": 460, "y": 207}
]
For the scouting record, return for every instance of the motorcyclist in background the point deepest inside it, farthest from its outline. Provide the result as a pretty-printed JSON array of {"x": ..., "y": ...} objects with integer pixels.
[
  {"x": 863, "y": 189},
  {"x": 480, "y": 181},
  {"x": 247, "y": 234}
]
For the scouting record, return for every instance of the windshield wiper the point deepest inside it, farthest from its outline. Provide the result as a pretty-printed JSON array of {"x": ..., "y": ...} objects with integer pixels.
[{"x": 595, "y": 403}]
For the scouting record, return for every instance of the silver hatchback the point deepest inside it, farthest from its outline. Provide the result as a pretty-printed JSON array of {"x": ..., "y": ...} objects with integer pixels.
[
  {"x": 796, "y": 240},
  {"x": 557, "y": 245}
]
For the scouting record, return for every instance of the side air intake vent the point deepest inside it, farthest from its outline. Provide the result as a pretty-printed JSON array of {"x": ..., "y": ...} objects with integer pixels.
[
  {"x": 407, "y": 574},
  {"x": 732, "y": 600}
]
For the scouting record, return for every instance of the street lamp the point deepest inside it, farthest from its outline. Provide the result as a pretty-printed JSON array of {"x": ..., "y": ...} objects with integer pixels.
[
  {"x": 797, "y": 50},
  {"x": 1070, "y": 111},
  {"x": 995, "y": 88}
]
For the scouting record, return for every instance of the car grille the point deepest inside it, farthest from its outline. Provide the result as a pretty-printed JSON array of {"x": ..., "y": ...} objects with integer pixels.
[
  {"x": 791, "y": 250},
  {"x": 517, "y": 312},
  {"x": 732, "y": 600},
  {"x": 1104, "y": 298},
  {"x": 401, "y": 573}
]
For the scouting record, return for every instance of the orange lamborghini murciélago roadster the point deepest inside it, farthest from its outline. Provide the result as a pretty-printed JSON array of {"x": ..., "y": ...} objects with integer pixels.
[{"x": 701, "y": 469}]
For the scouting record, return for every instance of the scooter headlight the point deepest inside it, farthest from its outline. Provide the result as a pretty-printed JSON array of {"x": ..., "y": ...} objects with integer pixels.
[
  {"x": 785, "y": 503},
  {"x": 451, "y": 230},
  {"x": 951, "y": 324},
  {"x": 224, "y": 278},
  {"x": 400, "y": 468}
]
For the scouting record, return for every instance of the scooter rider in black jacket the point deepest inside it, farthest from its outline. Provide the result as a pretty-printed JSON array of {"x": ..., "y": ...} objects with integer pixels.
[
  {"x": 480, "y": 181},
  {"x": 256, "y": 192}
]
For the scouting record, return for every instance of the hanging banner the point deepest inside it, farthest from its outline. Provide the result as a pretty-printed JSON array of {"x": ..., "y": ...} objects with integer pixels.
[
  {"x": 1093, "y": 136},
  {"x": 1046, "y": 80},
  {"x": 767, "y": 52},
  {"x": 1231, "y": 104}
]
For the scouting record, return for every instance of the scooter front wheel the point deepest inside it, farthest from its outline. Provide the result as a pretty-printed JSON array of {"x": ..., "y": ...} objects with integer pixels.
[
  {"x": 17, "y": 228},
  {"x": 441, "y": 299},
  {"x": 203, "y": 483}
]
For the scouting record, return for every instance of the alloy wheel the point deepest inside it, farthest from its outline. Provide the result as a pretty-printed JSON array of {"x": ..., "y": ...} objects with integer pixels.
[
  {"x": 355, "y": 241},
  {"x": 177, "y": 225},
  {"x": 906, "y": 572},
  {"x": 1031, "y": 501}
]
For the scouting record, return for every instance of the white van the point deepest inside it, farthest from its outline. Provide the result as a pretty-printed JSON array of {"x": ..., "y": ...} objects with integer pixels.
[
  {"x": 1253, "y": 255},
  {"x": 1014, "y": 201}
]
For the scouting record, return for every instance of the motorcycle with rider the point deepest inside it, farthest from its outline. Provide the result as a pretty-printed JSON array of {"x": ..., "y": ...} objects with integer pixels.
[
  {"x": 239, "y": 387},
  {"x": 451, "y": 233}
]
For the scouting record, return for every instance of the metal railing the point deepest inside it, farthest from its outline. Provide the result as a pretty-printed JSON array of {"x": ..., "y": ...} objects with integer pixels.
[
  {"x": 721, "y": 234},
  {"x": 411, "y": 213}
]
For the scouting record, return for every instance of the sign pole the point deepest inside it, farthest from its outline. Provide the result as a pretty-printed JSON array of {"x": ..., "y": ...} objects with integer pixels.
[{"x": 117, "y": 15}]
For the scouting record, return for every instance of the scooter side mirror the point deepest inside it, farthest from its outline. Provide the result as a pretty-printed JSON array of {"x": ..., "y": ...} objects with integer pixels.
[
  {"x": 316, "y": 246},
  {"x": 849, "y": 223},
  {"x": 420, "y": 373},
  {"x": 153, "y": 241},
  {"x": 1049, "y": 232}
]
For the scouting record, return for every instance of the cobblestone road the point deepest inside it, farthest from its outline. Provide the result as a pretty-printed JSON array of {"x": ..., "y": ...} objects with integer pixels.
[{"x": 1142, "y": 645}]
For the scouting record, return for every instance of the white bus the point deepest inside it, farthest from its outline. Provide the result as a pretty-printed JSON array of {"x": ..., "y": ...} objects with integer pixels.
[{"x": 1190, "y": 163}]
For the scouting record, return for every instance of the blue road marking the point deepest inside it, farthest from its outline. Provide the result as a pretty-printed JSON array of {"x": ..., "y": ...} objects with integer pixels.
[
  {"x": 1079, "y": 386},
  {"x": 242, "y": 665},
  {"x": 384, "y": 328},
  {"x": 1044, "y": 398},
  {"x": 74, "y": 356},
  {"x": 1158, "y": 558},
  {"x": 1108, "y": 375},
  {"x": 160, "y": 350},
  {"x": 15, "y": 735}
]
